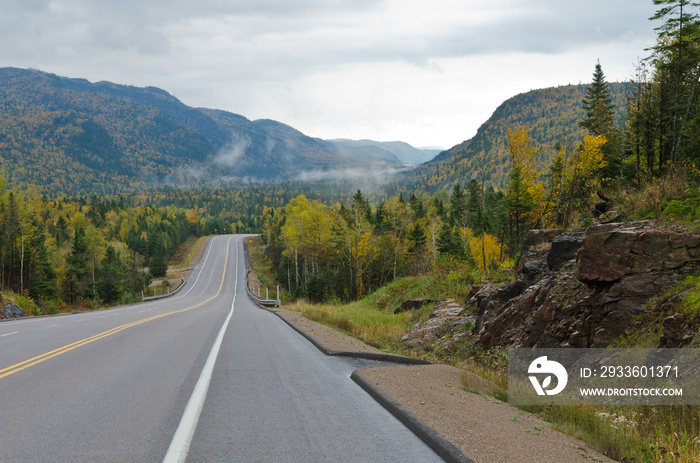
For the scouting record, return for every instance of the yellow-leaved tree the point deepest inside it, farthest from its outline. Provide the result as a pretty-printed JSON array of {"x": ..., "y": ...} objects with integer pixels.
[
  {"x": 485, "y": 249},
  {"x": 306, "y": 235},
  {"x": 526, "y": 199},
  {"x": 581, "y": 176}
]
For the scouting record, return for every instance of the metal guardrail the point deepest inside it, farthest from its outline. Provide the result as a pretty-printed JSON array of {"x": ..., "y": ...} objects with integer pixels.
[
  {"x": 153, "y": 298},
  {"x": 264, "y": 302},
  {"x": 248, "y": 269}
]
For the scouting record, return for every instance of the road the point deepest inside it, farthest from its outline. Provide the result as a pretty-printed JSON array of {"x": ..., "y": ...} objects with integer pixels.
[{"x": 202, "y": 376}]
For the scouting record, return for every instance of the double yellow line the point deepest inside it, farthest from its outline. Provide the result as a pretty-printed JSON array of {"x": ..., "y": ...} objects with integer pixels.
[{"x": 62, "y": 350}]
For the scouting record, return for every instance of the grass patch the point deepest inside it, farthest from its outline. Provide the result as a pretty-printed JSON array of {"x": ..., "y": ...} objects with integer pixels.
[
  {"x": 448, "y": 280},
  {"x": 669, "y": 199},
  {"x": 631, "y": 433},
  {"x": 690, "y": 305},
  {"x": 379, "y": 328},
  {"x": 186, "y": 252}
]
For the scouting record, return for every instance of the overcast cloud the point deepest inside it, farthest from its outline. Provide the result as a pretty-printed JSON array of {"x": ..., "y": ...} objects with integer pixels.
[{"x": 424, "y": 72}]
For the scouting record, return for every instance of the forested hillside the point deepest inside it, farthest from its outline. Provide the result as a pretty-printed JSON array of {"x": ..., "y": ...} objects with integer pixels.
[
  {"x": 61, "y": 134},
  {"x": 551, "y": 116}
]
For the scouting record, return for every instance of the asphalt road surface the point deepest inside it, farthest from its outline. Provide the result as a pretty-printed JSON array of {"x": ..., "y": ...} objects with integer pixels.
[{"x": 202, "y": 376}]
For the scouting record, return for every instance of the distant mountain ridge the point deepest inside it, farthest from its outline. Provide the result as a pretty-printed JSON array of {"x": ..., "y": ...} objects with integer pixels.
[
  {"x": 59, "y": 133},
  {"x": 550, "y": 115},
  {"x": 400, "y": 151},
  {"x": 63, "y": 134}
]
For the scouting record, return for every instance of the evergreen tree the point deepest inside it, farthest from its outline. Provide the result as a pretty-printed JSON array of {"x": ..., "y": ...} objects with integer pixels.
[
  {"x": 61, "y": 231},
  {"x": 519, "y": 206},
  {"x": 598, "y": 105},
  {"x": 361, "y": 207},
  {"x": 417, "y": 207},
  {"x": 110, "y": 276},
  {"x": 474, "y": 212},
  {"x": 440, "y": 208},
  {"x": 678, "y": 77},
  {"x": 76, "y": 283},
  {"x": 458, "y": 207},
  {"x": 599, "y": 121},
  {"x": 42, "y": 276},
  {"x": 417, "y": 238},
  {"x": 380, "y": 223},
  {"x": 449, "y": 243},
  {"x": 159, "y": 260}
]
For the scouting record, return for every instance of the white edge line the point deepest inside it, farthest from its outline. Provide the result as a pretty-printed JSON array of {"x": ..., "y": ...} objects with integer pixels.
[
  {"x": 9, "y": 334},
  {"x": 211, "y": 245},
  {"x": 180, "y": 445}
]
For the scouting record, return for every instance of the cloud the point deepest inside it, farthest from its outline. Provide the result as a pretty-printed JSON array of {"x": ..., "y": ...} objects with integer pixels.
[
  {"x": 233, "y": 152},
  {"x": 398, "y": 68},
  {"x": 367, "y": 176}
]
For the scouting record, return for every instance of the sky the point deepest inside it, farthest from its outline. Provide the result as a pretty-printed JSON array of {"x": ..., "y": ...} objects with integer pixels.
[{"x": 427, "y": 72}]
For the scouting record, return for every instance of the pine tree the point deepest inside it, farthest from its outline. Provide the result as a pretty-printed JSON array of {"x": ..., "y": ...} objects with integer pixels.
[
  {"x": 474, "y": 206},
  {"x": 111, "y": 276},
  {"x": 159, "y": 260},
  {"x": 458, "y": 207},
  {"x": 520, "y": 204},
  {"x": 599, "y": 122},
  {"x": 76, "y": 283},
  {"x": 678, "y": 73},
  {"x": 598, "y": 105},
  {"x": 42, "y": 276},
  {"x": 449, "y": 243},
  {"x": 61, "y": 231},
  {"x": 417, "y": 207},
  {"x": 416, "y": 235}
]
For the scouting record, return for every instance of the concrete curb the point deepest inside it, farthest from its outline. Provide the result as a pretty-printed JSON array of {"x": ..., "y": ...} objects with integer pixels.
[
  {"x": 441, "y": 446},
  {"x": 445, "y": 449}
]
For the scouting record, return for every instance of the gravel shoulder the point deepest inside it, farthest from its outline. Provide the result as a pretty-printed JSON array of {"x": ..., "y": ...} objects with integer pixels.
[{"x": 480, "y": 426}]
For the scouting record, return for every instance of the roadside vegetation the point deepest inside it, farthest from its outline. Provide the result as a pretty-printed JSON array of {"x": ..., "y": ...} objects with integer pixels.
[
  {"x": 350, "y": 264},
  {"x": 627, "y": 434}
]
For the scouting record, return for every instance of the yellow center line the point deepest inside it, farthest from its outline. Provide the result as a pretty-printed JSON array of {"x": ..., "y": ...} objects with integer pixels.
[{"x": 62, "y": 350}]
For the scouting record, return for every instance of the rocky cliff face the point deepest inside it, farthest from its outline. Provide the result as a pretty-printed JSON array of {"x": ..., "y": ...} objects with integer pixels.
[{"x": 576, "y": 289}]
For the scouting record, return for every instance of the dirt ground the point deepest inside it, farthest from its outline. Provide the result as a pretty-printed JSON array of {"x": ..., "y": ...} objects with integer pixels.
[{"x": 482, "y": 427}]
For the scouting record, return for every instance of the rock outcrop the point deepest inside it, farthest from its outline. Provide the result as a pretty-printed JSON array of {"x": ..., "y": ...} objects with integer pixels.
[
  {"x": 578, "y": 289},
  {"x": 12, "y": 311},
  {"x": 595, "y": 284},
  {"x": 447, "y": 318}
]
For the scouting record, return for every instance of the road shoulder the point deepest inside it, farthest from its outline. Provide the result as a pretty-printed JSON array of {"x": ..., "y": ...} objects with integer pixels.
[{"x": 479, "y": 426}]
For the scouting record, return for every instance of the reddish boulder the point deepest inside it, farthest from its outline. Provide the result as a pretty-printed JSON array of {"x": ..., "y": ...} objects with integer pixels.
[{"x": 620, "y": 269}]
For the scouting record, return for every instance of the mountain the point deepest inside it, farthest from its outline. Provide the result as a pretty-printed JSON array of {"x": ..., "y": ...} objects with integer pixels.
[
  {"x": 551, "y": 117},
  {"x": 58, "y": 133},
  {"x": 397, "y": 150}
]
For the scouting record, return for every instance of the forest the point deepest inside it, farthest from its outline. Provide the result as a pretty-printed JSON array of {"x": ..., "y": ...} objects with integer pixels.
[
  {"x": 328, "y": 243},
  {"x": 60, "y": 254},
  {"x": 636, "y": 152}
]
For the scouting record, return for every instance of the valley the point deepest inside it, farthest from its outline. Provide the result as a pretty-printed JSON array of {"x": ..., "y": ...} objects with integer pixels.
[{"x": 570, "y": 220}]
